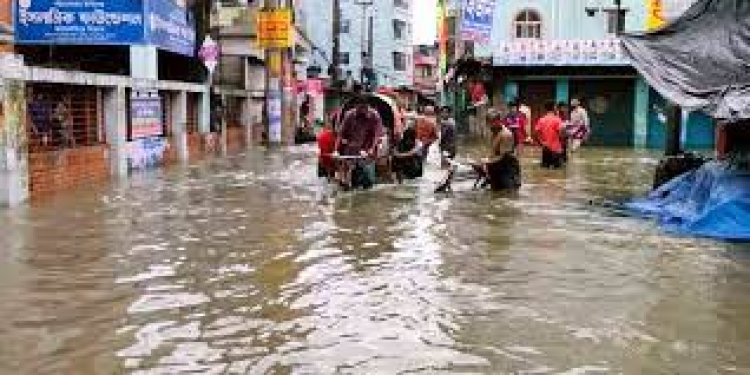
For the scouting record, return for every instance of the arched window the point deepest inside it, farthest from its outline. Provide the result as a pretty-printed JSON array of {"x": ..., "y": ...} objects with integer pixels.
[{"x": 527, "y": 25}]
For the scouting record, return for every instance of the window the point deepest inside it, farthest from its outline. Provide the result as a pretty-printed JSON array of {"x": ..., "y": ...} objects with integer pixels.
[
  {"x": 527, "y": 25},
  {"x": 345, "y": 26},
  {"x": 399, "y": 61},
  {"x": 403, "y": 4},
  {"x": 615, "y": 26},
  {"x": 426, "y": 71},
  {"x": 399, "y": 29},
  {"x": 425, "y": 50},
  {"x": 344, "y": 58}
]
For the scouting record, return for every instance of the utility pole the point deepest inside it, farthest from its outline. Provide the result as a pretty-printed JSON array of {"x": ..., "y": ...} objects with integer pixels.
[
  {"x": 279, "y": 77},
  {"x": 364, "y": 31},
  {"x": 370, "y": 49},
  {"x": 336, "y": 37},
  {"x": 618, "y": 9}
]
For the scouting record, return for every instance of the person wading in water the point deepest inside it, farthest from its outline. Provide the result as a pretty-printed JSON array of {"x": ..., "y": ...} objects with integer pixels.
[
  {"x": 407, "y": 160},
  {"x": 549, "y": 129},
  {"x": 580, "y": 125},
  {"x": 358, "y": 138}
]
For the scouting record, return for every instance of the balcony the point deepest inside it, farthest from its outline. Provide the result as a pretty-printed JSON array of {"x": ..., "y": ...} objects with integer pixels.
[{"x": 424, "y": 60}]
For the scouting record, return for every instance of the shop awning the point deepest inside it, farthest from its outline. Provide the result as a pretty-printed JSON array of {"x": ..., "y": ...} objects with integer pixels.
[{"x": 702, "y": 60}]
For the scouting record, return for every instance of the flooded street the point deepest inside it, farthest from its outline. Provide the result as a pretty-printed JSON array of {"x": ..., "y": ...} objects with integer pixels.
[{"x": 247, "y": 265}]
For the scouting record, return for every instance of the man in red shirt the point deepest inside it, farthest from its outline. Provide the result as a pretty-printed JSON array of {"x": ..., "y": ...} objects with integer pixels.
[
  {"x": 548, "y": 129},
  {"x": 426, "y": 129},
  {"x": 326, "y": 147}
]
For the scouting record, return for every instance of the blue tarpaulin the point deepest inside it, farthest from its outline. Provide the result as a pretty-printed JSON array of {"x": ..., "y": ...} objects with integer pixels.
[{"x": 712, "y": 201}]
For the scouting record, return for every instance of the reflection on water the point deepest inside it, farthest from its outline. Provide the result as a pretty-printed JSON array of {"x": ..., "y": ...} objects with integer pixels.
[{"x": 250, "y": 265}]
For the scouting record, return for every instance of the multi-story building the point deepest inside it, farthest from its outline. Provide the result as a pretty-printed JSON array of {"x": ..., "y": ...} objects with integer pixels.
[
  {"x": 374, "y": 34},
  {"x": 559, "y": 49},
  {"x": 83, "y": 99},
  {"x": 426, "y": 70}
]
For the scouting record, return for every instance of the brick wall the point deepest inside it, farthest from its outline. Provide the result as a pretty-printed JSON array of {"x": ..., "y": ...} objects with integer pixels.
[
  {"x": 235, "y": 140},
  {"x": 56, "y": 171},
  {"x": 201, "y": 146}
]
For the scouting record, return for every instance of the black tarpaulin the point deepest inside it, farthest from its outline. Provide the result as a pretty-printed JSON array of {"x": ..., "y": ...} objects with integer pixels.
[{"x": 702, "y": 60}]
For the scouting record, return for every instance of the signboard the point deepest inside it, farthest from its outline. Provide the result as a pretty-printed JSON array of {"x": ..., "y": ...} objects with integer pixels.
[
  {"x": 442, "y": 30},
  {"x": 162, "y": 23},
  {"x": 170, "y": 26},
  {"x": 145, "y": 114},
  {"x": 655, "y": 14},
  {"x": 146, "y": 152},
  {"x": 661, "y": 12},
  {"x": 603, "y": 52},
  {"x": 476, "y": 20},
  {"x": 275, "y": 28},
  {"x": 209, "y": 54},
  {"x": 79, "y": 22}
]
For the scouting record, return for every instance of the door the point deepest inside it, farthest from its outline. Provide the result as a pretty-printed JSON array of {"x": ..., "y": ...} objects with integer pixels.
[
  {"x": 535, "y": 94},
  {"x": 611, "y": 106}
]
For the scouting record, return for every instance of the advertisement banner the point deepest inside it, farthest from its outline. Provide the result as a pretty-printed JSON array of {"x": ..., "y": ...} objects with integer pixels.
[
  {"x": 79, "y": 22},
  {"x": 273, "y": 107},
  {"x": 170, "y": 27},
  {"x": 476, "y": 20},
  {"x": 145, "y": 115},
  {"x": 560, "y": 53},
  {"x": 442, "y": 30},
  {"x": 655, "y": 14},
  {"x": 146, "y": 152},
  {"x": 275, "y": 28}
]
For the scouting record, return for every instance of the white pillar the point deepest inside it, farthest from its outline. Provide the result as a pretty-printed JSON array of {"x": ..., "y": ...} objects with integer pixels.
[
  {"x": 14, "y": 157},
  {"x": 179, "y": 124},
  {"x": 116, "y": 128},
  {"x": 204, "y": 112},
  {"x": 246, "y": 120},
  {"x": 144, "y": 62}
]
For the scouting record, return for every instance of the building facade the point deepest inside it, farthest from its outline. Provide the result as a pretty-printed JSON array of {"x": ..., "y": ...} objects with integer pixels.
[
  {"x": 426, "y": 70},
  {"x": 80, "y": 104},
  {"x": 546, "y": 50},
  {"x": 375, "y": 34}
]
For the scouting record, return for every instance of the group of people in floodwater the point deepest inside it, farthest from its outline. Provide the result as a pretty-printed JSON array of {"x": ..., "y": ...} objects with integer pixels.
[{"x": 355, "y": 148}]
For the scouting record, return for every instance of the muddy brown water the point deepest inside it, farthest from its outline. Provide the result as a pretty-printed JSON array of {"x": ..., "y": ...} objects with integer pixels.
[{"x": 248, "y": 265}]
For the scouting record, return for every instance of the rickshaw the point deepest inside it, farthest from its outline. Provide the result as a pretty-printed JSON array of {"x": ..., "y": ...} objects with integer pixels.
[{"x": 387, "y": 109}]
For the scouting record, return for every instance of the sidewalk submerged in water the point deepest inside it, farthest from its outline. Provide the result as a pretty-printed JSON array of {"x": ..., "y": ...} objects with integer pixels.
[{"x": 712, "y": 201}]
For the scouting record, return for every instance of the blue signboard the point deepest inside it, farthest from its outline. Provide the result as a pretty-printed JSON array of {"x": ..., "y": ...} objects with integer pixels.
[
  {"x": 476, "y": 20},
  {"x": 170, "y": 27},
  {"x": 79, "y": 22},
  {"x": 162, "y": 23}
]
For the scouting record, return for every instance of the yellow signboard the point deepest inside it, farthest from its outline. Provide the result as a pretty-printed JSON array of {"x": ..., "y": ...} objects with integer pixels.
[
  {"x": 654, "y": 14},
  {"x": 275, "y": 28}
]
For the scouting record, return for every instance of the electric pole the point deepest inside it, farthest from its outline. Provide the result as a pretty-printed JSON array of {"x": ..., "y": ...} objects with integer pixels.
[
  {"x": 364, "y": 31},
  {"x": 334, "y": 69},
  {"x": 279, "y": 81}
]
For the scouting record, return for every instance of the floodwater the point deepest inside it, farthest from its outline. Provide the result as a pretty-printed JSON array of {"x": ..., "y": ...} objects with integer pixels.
[{"x": 248, "y": 265}]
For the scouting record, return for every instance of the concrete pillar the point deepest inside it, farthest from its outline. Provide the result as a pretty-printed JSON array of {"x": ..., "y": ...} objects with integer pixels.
[
  {"x": 144, "y": 62},
  {"x": 685, "y": 121},
  {"x": 204, "y": 112},
  {"x": 116, "y": 128},
  {"x": 246, "y": 120},
  {"x": 562, "y": 90},
  {"x": 511, "y": 90},
  {"x": 178, "y": 105},
  {"x": 14, "y": 157},
  {"x": 640, "y": 113}
]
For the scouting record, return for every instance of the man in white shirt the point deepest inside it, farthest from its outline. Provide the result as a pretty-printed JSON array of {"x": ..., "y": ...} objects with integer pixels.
[{"x": 580, "y": 126}]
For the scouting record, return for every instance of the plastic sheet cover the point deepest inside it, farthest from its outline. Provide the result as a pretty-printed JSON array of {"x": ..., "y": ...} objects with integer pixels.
[
  {"x": 701, "y": 61},
  {"x": 712, "y": 201}
]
